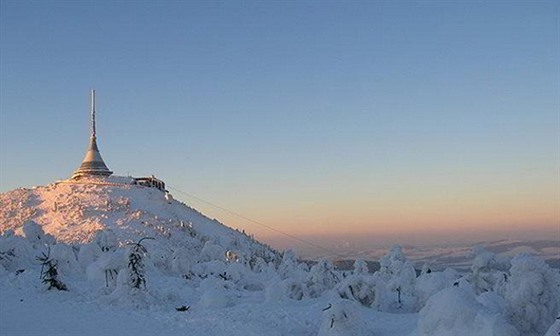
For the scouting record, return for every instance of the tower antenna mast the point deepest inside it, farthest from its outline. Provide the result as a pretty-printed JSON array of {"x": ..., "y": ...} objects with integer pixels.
[{"x": 93, "y": 135}]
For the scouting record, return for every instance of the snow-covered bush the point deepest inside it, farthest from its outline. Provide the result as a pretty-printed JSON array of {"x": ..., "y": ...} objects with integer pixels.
[
  {"x": 212, "y": 251},
  {"x": 280, "y": 290},
  {"x": 49, "y": 272},
  {"x": 15, "y": 252},
  {"x": 209, "y": 269},
  {"x": 135, "y": 266},
  {"x": 236, "y": 271},
  {"x": 360, "y": 267},
  {"x": 359, "y": 286},
  {"x": 290, "y": 267},
  {"x": 88, "y": 253},
  {"x": 489, "y": 271},
  {"x": 215, "y": 294},
  {"x": 35, "y": 234},
  {"x": 532, "y": 294},
  {"x": 182, "y": 262},
  {"x": 322, "y": 277},
  {"x": 65, "y": 258},
  {"x": 104, "y": 271},
  {"x": 343, "y": 318},
  {"x": 106, "y": 240},
  {"x": 396, "y": 282},
  {"x": 259, "y": 265},
  {"x": 456, "y": 311},
  {"x": 429, "y": 283},
  {"x": 160, "y": 258}
]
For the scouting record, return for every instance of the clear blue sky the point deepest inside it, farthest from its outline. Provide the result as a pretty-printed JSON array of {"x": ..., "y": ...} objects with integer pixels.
[{"x": 321, "y": 115}]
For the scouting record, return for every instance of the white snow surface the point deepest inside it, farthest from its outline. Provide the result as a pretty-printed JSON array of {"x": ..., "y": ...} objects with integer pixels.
[
  {"x": 75, "y": 211},
  {"x": 196, "y": 276}
]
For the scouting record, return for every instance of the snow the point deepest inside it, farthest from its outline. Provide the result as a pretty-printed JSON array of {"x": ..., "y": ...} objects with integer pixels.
[
  {"x": 196, "y": 276},
  {"x": 456, "y": 311}
]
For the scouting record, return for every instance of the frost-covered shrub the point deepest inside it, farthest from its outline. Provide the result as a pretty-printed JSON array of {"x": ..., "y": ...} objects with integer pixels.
[
  {"x": 182, "y": 262},
  {"x": 209, "y": 269},
  {"x": 426, "y": 269},
  {"x": 290, "y": 267},
  {"x": 280, "y": 290},
  {"x": 106, "y": 240},
  {"x": 65, "y": 258},
  {"x": 215, "y": 294},
  {"x": 211, "y": 252},
  {"x": 322, "y": 277},
  {"x": 343, "y": 318},
  {"x": 49, "y": 272},
  {"x": 532, "y": 294},
  {"x": 489, "y": 271},
  {"x": 360, "y": 267},
  {"x": 236, "y": 271},
  {"x": 358, "y": 286},
  {"x": 125, "y": 295},
  {"x": 131, "y": 287},
  {"x": 456, "y": 311},
  {"x": 15, "y": 252},
  {"x": 396, "y": 282},
  {"x": 35, "y": 234},
  {"x": 429, "y": 283},
  {"x": 104, "y": 271},
  {"x": 159, "y": 258},
  {"x": 259, "y": 265},
  {"x": 88, "y": 253},
  {"x": 493, "y": 302},
  {"x": 135, "y": 266}
]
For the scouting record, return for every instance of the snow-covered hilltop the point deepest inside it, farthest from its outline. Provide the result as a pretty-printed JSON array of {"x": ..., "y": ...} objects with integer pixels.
[{"x": 74, "y": 211}]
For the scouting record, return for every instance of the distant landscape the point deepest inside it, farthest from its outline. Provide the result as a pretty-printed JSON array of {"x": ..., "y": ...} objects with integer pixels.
[{"x": 457, "y": 257}]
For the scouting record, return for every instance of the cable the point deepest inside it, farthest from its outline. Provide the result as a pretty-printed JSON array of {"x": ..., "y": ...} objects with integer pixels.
[{"x": 256, "y": 222}]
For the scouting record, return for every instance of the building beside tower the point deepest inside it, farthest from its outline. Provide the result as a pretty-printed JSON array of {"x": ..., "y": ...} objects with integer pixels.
[{"x": 94, "y": 166}]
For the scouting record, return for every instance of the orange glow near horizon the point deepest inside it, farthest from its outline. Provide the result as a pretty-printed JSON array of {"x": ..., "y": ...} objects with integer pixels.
[{"x": 494, "y": 210}]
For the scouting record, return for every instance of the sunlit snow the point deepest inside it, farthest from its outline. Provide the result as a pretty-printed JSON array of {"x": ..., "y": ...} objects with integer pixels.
[{"x": 199, "y": 277}]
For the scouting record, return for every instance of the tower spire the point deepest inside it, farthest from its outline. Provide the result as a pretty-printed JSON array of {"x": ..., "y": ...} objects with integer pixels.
[
  {"x": 93, "y": 164},
  {"x": 93, "y": 113}
]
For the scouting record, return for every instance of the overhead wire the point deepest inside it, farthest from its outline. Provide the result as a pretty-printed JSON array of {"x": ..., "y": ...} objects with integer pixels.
[{"x": 238, "y": 215}]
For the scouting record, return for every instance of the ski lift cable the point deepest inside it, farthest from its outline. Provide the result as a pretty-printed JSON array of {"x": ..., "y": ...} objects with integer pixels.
[{"x": 238, "y": 215}]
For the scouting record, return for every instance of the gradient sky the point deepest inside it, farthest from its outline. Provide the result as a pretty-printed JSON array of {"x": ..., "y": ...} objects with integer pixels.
[{"x": 408, "y": 120}]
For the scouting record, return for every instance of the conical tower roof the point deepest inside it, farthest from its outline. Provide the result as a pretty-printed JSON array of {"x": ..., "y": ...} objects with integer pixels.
[{"x": 93, "y": 164}]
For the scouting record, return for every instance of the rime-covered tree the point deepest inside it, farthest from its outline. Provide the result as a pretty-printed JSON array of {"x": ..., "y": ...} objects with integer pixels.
[
  {"x": 532, "y": 294},
  {"x": 396, "y": 282},
  {"x": 322, "y": 277},
  {"x": 456, "y": 311},
  {"x": 135, "y": 266},
  {"x": 343, "y": 318},
  {"x": 49, "y": 272},
  {"x": 489, "y": 271},
  {"x": 358, "y": 286}
]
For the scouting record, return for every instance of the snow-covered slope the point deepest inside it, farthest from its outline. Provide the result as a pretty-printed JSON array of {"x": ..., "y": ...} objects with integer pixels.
[
  {"x": 69, "y": 265},
  {"x": 74, "y": 211}
]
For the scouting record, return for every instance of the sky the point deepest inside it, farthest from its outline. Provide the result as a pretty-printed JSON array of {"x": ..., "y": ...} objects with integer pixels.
[{"x": 328, "y": 121}]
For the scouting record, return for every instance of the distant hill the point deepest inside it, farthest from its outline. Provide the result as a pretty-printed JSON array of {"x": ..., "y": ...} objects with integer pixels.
[{"x": 460, "y": 257}]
